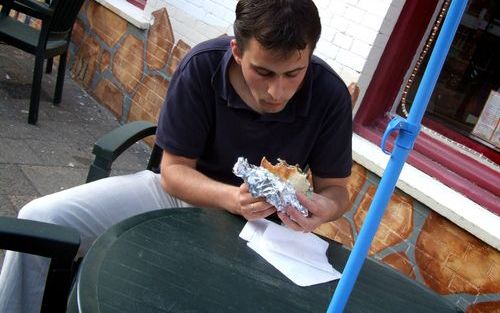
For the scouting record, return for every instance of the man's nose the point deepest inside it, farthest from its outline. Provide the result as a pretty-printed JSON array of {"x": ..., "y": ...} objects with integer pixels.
[{"x": 276, "y": 88}]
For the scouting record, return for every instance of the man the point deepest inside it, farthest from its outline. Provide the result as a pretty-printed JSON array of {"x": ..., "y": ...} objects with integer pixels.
[{"x": 259, "y": 94}]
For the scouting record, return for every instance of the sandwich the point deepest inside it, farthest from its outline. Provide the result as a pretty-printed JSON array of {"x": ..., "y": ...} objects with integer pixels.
[{"x": 290, "y": 173}]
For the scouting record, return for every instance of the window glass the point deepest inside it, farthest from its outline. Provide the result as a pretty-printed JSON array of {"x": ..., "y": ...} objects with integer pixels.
[{"x": 465, "y": 104}]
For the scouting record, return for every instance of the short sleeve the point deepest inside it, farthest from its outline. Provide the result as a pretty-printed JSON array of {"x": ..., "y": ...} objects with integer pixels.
[
  {"x": 184, "y": 121},
  {"x": 331, "y": 155}
]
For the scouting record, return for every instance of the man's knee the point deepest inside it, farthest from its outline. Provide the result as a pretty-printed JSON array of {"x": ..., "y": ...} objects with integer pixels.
[{"x": 40, "y": 210}]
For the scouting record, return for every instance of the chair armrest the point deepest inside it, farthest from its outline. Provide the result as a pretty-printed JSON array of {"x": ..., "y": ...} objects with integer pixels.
[
  {"x": 56, "y": 242},
  {"x": 49, "y": 240},
  {"x": 36, "y": 9},
  {"x": 110, "y": 146}
]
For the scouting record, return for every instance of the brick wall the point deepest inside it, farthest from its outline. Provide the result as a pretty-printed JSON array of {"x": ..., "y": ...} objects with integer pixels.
[
  {"x": 129, "y": 70},
  {"x": 125, "y": 68}
]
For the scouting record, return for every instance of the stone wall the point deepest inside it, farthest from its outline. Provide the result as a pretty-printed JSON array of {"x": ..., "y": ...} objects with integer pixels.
[
  {"x": 125, "y": 68},
  {"x": 128, "y": 70},
  {"x": 423, "y": 245}
]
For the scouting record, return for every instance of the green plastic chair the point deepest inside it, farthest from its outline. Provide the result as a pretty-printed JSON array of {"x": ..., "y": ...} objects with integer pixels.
[{"x": 51, "y": 40}]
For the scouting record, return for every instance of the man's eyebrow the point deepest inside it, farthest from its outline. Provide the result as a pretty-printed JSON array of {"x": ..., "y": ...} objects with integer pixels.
[
  {"x": 268, "y": 70},
  {"x": 261, "y": 68}
]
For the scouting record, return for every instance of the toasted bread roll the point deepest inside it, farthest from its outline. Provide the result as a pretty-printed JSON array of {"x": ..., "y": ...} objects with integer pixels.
[{"x": 291, "y": 173}]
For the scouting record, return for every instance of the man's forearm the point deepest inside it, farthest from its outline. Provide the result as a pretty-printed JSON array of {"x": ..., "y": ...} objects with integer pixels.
[{"x": 195, "y": 188}]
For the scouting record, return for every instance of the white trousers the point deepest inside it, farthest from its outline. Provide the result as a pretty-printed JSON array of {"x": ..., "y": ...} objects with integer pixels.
[{"x": 91, "y": 209}]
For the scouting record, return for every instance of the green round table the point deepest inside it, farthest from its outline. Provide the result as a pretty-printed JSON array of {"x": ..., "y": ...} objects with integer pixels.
[{"x": 192, "y": 260}]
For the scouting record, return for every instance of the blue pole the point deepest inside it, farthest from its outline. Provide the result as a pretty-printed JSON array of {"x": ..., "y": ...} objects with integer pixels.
[{"x": 408, "y": 131}]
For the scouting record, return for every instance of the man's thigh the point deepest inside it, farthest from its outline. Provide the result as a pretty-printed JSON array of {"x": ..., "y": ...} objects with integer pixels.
[{"x": 94, "y": 207}]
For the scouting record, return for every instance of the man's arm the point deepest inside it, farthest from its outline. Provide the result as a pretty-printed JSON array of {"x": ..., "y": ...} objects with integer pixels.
[
  {"x": 335, "y": 189},
  {"x": 180, "y": 179},
  {"x": 329, "y": 202}
]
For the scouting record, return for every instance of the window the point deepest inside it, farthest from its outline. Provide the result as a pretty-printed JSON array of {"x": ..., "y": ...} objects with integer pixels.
[
  {"x": 465, "y": 104},
  {"x": 459, "y": 145}
]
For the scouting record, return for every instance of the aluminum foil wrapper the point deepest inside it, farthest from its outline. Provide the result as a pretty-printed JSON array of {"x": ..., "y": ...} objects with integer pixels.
[{"x": 263, "y": 183}]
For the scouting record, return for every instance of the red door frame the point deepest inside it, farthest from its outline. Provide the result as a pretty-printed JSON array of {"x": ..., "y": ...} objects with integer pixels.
[{"x": 456, "y": 170}]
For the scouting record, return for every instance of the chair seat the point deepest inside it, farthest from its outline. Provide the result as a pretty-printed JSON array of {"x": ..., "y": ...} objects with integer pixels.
[{"x": 21, "y": 34}]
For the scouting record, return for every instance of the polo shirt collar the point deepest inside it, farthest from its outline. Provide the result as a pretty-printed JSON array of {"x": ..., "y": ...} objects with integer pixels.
[{"x": 298, "y": 106}]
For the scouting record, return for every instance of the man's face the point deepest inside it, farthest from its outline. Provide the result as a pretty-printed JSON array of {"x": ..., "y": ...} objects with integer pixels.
[{"x": 271, "y": 80}]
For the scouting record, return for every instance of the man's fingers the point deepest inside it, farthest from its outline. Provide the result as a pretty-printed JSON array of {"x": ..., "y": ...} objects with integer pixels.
[
  {"x": 258, "y": 208},
  {"x": 303, "y": 199},
  {"x": 289, "y": 222},
  {"x": 305, "y": 223},
  {"x": 307, "y": 201},
  {"x": 296, "y": 221},
  {"x": 244, "y": 187},
  {"x": 267, "y": 212}
]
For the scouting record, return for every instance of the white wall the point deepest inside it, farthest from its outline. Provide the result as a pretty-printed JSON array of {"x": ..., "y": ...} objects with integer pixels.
[
  {"x": 353, "y": 38},
  {"x": 194, "y": 21}
]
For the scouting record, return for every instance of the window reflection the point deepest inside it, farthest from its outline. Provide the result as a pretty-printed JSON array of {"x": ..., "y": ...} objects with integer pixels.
[{"x": 465, "y": 103}]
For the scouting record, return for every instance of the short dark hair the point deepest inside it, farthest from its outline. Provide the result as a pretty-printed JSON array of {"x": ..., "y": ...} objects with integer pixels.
[{"x": 284, "y": 26}]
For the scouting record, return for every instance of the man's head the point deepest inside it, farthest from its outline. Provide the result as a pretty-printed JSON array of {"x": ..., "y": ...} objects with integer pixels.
[
  {"x": 274, "y": 41},
  {"x": 283, "y": 26}
]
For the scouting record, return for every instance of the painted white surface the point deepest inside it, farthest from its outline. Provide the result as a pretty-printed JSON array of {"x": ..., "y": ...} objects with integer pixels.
[{"x": 129, "y": 12}]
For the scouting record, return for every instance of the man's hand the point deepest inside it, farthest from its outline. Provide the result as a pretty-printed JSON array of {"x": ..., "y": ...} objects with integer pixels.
[
  {"x": 329, "y": 203},
  {"x": 321, "y": 210},
  {"x": 253, "y": 208}
]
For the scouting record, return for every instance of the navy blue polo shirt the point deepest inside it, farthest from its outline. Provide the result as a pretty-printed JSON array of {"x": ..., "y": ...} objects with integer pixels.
[{"x": 204, "y": 118}]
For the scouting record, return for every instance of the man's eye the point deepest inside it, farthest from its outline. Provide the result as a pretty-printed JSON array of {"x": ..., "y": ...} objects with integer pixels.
[
  {"x": 291, "y": 75},
  {"x": 264, "y": 73}
]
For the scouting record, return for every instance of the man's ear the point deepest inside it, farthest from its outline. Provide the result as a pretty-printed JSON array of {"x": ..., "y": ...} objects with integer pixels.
[{"x": 235, "y": 50}]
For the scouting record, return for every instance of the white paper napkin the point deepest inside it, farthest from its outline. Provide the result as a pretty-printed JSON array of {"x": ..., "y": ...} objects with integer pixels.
[{"x": 299, "y": 256}]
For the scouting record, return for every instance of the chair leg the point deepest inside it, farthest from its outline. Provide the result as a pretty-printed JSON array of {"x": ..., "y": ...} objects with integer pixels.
[
  {"x": 35, "y": 90},
  {"x": 60, "y": 77},
  {"x": 48, "y": 68}
]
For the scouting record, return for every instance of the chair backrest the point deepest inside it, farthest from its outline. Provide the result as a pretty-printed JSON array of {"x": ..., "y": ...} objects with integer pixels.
[{"x": 65, "y": 13}]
